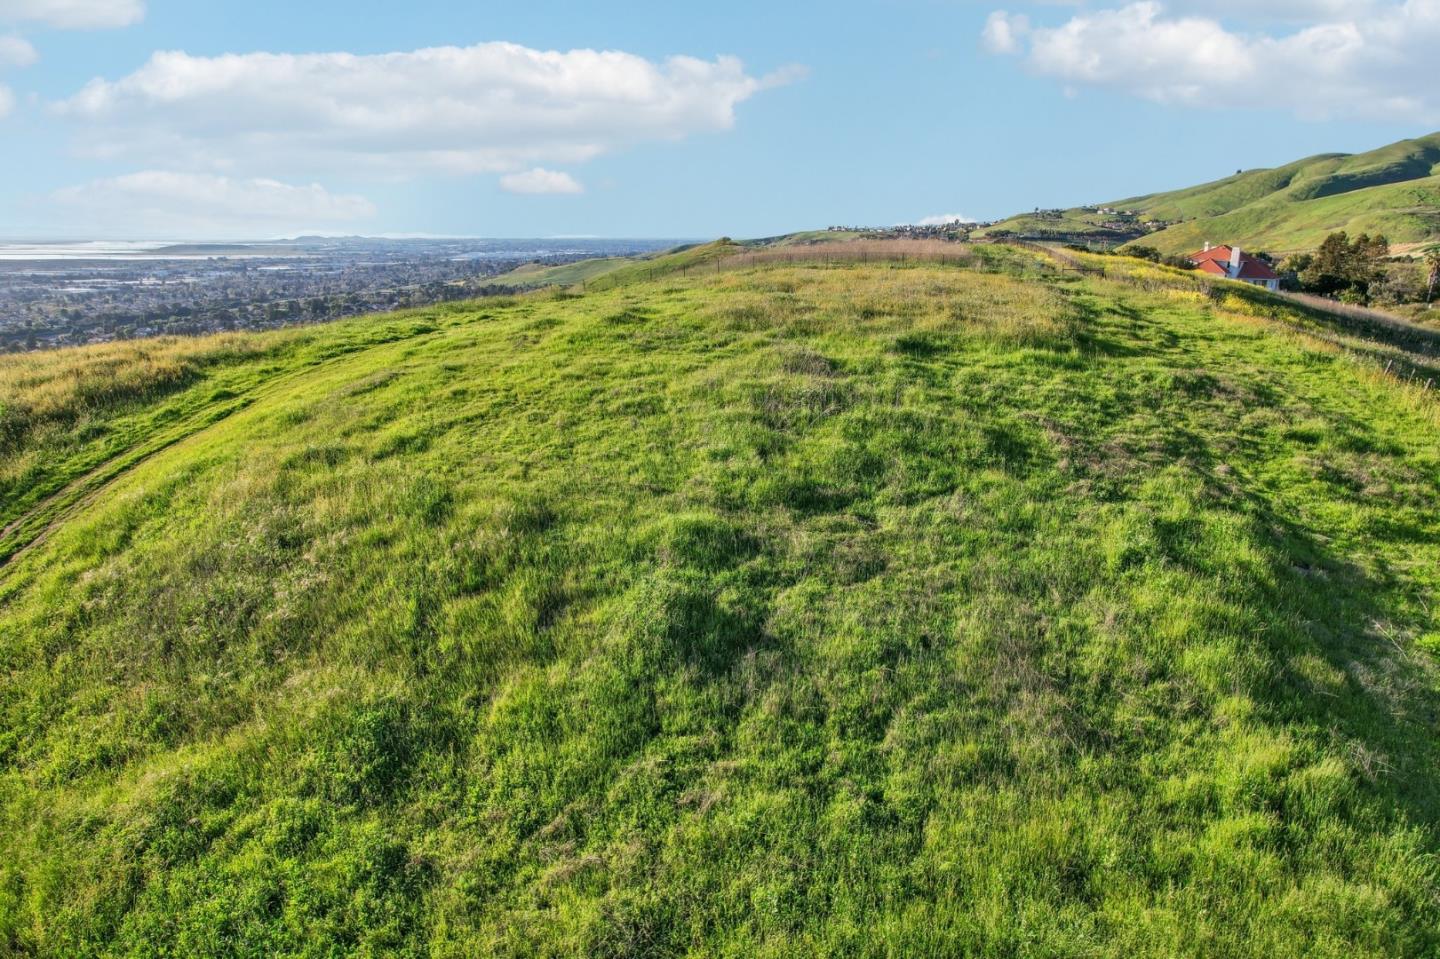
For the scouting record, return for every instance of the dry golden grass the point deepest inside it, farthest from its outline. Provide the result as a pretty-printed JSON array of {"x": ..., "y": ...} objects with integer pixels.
[
  {"x": 63, "y": 385},
  {"x": 920, "y": 306},
  {"x": 858, "y": 251},
  {"x": 53, "y": 381}
]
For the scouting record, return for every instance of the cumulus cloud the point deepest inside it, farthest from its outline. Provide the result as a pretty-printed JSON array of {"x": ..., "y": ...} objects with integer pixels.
[
  {"x": 490, "y": 108},
  {"x": 1376, "y": 65},
  {"x": 1003, "y": 32},
  {"x": 16, "y": 52},
  {"x": 162, "y": 203},
  {"x": 74, "y": 14},
  {"x": 540, "y": 181}
]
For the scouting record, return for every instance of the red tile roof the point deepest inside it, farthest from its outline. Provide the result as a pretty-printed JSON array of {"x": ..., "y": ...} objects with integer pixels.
[
  {"x": 1217, "y": 260},
  {"x": 1254, "y": 268}
]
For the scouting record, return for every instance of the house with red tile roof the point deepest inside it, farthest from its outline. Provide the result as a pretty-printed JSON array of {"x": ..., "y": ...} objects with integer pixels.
[{"x": 1232, "y": 263}]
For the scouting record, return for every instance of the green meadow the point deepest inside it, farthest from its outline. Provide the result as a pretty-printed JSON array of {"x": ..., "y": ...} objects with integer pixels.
[
  {"x": 1393, "y": 192},
  {"x": 810, "y": 609}
]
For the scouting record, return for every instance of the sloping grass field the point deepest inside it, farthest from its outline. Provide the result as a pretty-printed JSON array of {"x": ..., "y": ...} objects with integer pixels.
[
  {"x": 1393, "y": 191},
  {"x": 803, "y": 609},
  {"x": 536, "y": 275},
  {"x": 1408, "y": 212}
]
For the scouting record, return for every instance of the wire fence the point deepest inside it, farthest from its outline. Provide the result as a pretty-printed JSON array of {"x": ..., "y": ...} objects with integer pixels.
[{"x": 859, "y": 251}]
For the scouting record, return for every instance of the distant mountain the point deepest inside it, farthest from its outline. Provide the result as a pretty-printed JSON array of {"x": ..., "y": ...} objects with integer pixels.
[{"x": 1394, "y": 190}]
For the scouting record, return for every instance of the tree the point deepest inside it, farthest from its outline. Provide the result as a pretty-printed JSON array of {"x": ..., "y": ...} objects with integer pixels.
[
  {"x": 1373, "y": 249},
  {"x": 1325, "y": 273},
  {"x": 1432, "y": 260},
  {"x": 1345, "y": 266},
  {"x": 1401, "y": 284}
]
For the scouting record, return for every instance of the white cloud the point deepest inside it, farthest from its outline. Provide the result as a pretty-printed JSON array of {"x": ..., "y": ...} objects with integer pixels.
[
  {"x": 7, "y": 101},
  {"x": 491, "y": 108},
  {"x": 944, "y": 219},
  {"x": 540, "y": 181},
  {"x": 16, "y": 52},
  {"x": 1303, "y": 10},
  {"x": 1376, "y": 65},
  {"x": 74, "y": 14},
  {"x": 161, "y": 203},
  {"x": 1004, "y": 32}
]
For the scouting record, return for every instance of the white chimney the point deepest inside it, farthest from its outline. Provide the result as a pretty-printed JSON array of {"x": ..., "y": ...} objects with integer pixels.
[
  {"x": 1236, "y": 261},
  {"x": 1207, "y": 246}
]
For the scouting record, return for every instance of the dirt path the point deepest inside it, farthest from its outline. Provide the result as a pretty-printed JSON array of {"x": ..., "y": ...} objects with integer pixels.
[
  {"x": 65, "y": 502},
  {"x": 50, "y": 513}
]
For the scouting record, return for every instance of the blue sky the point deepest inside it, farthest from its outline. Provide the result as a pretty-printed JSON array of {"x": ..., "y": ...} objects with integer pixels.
[{"x": 177, "y": 119}]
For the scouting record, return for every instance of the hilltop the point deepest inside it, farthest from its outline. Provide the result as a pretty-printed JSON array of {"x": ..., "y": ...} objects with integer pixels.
[
  {"x": 1393, "y": 191},
  {"x": 976, "y": 606}
]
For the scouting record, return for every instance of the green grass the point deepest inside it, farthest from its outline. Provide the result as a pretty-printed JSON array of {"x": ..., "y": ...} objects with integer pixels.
[
  {"x": 72, "y": 419},
  {"x": 1314, "y": 178},
  {"x": 855, "y": 611},
  {"x": 1406, "y": 213},
  {"x": 535, "y": 275},
  {"x": 1075, "y": 222},
  {"x": 811, "y": 237},
  {"x": 679, "y": 261},
  {"x": 608, "y": 272},
  {"x": 1394, "y": 191}
]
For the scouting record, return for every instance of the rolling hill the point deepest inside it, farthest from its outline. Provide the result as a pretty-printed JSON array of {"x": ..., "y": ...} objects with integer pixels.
[
  {"x": 980, "y": 608},
  {"x": 1394, "y": 191},
  {"x": 611, "y": 271}
]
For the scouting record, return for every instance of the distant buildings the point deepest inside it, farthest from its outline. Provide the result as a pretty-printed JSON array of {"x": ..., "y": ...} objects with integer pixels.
[{"x": 1235, "y": 264}]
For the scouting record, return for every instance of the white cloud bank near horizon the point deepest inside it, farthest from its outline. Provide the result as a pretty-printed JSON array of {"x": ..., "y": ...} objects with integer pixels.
[
  {"x": 1360, "y": 60},
  {"x": 158, "y": 203},
  {"x": 541, "y": 182},
  {"x": 944, "y": 219}
]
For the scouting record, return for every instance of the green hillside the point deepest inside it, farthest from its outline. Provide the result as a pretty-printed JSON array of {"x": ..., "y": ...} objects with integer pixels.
[
  {"x": 536, "y": 275},
  {"x": 611, "y": 271},
  {"x": 1408, "y": 212},
  {"x": 877, "y": 610},
  {"x": 1394, "y": 191}
]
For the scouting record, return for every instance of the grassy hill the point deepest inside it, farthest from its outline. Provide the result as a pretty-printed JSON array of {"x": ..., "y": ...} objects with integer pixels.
[
  {"x": 794, "y": 610},
  {"x": 1394, "y": 190},
  {"x": 537, "y": 275},
  {"x": 612, "y": 271}
]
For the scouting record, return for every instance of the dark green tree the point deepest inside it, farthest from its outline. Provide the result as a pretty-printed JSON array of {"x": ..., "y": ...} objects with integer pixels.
[{"x": 1345, "y": 267}]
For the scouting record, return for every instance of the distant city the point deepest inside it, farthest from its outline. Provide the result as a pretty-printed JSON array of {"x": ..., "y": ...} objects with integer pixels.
[{"x": 63, "y": 294}]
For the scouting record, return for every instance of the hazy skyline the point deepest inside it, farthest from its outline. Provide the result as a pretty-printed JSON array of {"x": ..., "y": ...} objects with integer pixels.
[{"x": 170, "y": 120}]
